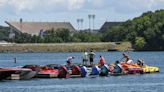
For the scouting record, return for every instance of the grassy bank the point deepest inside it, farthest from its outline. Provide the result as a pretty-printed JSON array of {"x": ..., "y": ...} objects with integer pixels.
[{"x": 65, "y": 47}]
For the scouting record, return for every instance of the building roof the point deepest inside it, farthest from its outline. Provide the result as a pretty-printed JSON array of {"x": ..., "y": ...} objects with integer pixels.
[
  {"x": 34, "y": 28},
  {"x": 108, "y": 25}
]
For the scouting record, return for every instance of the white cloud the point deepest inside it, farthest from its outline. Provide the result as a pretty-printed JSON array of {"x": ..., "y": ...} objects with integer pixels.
[
  {"x": 122, "y": 6},
  {"x": 75, "y": 4},
  {"x": 98, "y": 3}
]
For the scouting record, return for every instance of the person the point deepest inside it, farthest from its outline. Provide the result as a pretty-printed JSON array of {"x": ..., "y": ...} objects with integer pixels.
[
  {"x": 69, "y": 62},
  {"x": 127, "y": 59},
  {"x": 117, "y": 67},
  {"x": 15, "y": 60},
  {"x": 85, "y": 57},
  {"x": 91, "y": 57},
  {"x": 102, "y": 61},
  {"x": 70, "y": 58},
  {"x": 140, "y": 62}
]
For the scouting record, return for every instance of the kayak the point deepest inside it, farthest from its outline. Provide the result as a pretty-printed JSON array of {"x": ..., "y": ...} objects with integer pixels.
[
  {"x": 132, "y": 68},
  {"x": 150, "y": 69}
]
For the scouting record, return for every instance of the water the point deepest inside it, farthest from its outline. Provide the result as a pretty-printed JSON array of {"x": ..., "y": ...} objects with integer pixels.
[{"x": 130, "y": 83}]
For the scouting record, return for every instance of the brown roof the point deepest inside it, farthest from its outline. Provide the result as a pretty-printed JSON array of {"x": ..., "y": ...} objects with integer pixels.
[{"x": 35, "y": 27}]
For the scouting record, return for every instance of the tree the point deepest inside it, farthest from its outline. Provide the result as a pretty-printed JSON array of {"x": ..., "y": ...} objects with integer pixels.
[{"x": 139, "y": 43}]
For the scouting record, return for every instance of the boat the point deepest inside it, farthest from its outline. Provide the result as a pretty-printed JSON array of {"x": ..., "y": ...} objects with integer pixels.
[
  {"x": 4, "y": 73},
  {"x": 36, "y": 68},
  {"x": 117, "y": 74},
  {"x": 21, "y": 74},
  {"x": 47, "y": 73},
  {"x": 132, "y": 68},
  {"x": 54, "y": 66},
  {"x": 150, "y": 69}
]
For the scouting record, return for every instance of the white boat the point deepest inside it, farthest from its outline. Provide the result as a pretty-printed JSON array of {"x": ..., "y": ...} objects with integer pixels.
[{"x": 22, "y": 74}]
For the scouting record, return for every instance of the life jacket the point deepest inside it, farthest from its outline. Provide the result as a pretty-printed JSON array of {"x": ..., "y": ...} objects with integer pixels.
[
  {"x": 63, "y": 72},
  {"x": 76, "y": 70},
  {"x": 102, "y": 61},
  {"x": 95, "y": 70},
  {"x": 104, "y": 70},
  {"x": 117, "y": 69},
  {"x": 84, "y": 71}
]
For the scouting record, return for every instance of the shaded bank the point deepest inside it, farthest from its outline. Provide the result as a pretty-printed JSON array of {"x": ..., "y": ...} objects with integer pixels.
[{"x": 65, "y": 47}]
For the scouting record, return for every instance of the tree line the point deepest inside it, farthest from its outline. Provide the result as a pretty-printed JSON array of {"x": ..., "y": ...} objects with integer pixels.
[{"x": 145, "y": 32}]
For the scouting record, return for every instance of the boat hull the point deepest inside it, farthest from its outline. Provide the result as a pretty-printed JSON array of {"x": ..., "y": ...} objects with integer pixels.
[
  {"x": 47, "y": 73},
  {"x": 22, "y": 74},
  {"x": 4, "y": 73}
]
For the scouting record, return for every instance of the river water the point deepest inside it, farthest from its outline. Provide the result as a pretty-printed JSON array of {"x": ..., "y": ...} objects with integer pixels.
[{"x": 130, "y": 83}]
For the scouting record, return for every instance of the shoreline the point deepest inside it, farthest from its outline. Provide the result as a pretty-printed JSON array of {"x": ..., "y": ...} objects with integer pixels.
[{"x": 65, "y": 47}]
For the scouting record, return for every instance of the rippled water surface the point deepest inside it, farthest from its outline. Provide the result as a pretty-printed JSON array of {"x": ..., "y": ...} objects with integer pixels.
[{"x": 130, "y": 83}]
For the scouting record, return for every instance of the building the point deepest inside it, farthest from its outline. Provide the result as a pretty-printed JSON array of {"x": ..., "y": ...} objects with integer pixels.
[
  {"x": 35, "y": 28},
  {"x": 108, "y": 25}
]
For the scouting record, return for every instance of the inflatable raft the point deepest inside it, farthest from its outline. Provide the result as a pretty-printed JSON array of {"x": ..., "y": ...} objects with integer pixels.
[
  {"x": 132, "y": 68},
  {"x": 150, "y": 69}
]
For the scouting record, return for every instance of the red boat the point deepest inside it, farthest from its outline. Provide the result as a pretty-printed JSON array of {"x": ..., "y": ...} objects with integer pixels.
[
  {"x": 47, "y": 73},
  {"x": 44, "y": 71}
]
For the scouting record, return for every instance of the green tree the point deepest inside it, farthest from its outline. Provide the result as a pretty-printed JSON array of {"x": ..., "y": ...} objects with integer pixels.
[{"x": 139, "y": 43}]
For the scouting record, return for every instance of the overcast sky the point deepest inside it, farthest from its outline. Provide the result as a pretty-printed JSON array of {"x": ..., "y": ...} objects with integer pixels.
[{"x": 70, "y": 10}]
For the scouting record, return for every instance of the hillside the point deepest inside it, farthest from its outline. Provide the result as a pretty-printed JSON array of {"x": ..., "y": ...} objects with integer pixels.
[{"x": 146, "y": 32}]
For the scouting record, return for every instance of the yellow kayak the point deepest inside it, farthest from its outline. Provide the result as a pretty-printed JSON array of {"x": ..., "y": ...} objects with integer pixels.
[{"x": 150, "y": 69}]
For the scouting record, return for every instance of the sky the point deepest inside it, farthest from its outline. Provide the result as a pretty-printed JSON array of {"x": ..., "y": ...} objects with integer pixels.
[{"x": 71, "y": 10}]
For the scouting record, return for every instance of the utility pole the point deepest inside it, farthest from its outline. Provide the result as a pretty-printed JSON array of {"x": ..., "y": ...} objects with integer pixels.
[
  {"x": 78, "y": 20},
  {"x": 93, "y": 16},
  {"x": 81, "y": 20},
  {"x": 89, "y": 17}
]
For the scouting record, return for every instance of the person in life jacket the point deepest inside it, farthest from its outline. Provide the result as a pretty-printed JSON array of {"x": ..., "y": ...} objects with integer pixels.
[
  {"x": 140, "y": 62},
  {"x": 69, "y": 62},
  {"x": 102, "y": 61},
  {"x": 85, "y": 57},
  {"x": 117, "y": 67},
  {"x": 127, "y": 59}
]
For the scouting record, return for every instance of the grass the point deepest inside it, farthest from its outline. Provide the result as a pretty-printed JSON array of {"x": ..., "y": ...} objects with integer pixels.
[{"x": 64, "y": 47}]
